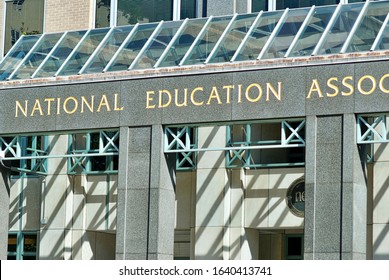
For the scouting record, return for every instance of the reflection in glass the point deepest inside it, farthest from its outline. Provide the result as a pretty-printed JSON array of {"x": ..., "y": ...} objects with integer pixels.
[
  {"x": 16, "y": 54},
  {"x": 37, "y": 56},
  {"x": 291, "y": 4},
  {"x": 159, "y": 43},
  {"x": 233, "y": 38},
  {"x": 285, "y": 35},
  {"x": 61, "y": 52},
  {"x": 313, "y": 31},
  {"x": 102, "y": 15},
  {"x": 340, "y": 30},
  {"x": 110, "y": 47},
  {"x": 22, "y": 18},
  {"x": 143, "y": 11},
  {"x": 258, "y": 37},
  {"x": 207, "y": 41},
  {"x": 133, "y": 47},
  {"x": 183, "y": 42},
  {"x": 369, "y": 27},
  {"x": 259, "y": 5}
]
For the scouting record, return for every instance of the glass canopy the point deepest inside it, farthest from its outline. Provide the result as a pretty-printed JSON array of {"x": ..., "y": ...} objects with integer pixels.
[{"x": 343, "y": 28}]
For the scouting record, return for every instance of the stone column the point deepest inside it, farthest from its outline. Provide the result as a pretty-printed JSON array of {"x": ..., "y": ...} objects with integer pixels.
[
  {"x": 4, "y": 210},
  {"x": 335, "y": 190},
  {"x": 145, "y": 207}
]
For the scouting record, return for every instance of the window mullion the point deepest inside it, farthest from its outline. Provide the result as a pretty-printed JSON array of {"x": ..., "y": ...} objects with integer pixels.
[{"x": 113, "y": 13}]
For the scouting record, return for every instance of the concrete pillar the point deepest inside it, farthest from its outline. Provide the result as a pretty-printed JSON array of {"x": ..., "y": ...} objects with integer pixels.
[
  {"x": 225, "y": 7},
  {"x": 146, "y": 201},
  {"x": 336, "y": 193},
  {"x": 4, "y": 212}
]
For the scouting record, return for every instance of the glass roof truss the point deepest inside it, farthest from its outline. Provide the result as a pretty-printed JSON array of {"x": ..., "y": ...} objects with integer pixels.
[{"x": 342, "y": 28}]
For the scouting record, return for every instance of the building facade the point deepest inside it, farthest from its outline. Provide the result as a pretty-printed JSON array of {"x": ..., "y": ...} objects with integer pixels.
[{"x": 186, "y": 129}]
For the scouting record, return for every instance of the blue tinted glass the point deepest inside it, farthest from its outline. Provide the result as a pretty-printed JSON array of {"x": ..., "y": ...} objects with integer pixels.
[
  {"x": 83, "y": 51},
  {"x": 108, "y": 49},
  {"x": 132, "y": 47},
  {"x": 60, "y": 53},
  {"x": 160, "y": 41},
  {"x": 369, "y": 27},
  {"x": 183, "y": 42},
  {"x": 233, "y": 38},
  {"x": 37, "y": 55},
  {"x": 253, "y": 45},
  {"x": 313, "y": 31},
  {"x": 339, "y": 32},
  {"x": 16, "y": 54}
]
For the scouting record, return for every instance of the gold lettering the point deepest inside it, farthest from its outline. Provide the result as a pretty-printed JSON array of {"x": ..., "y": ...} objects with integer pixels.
[
  {"x": 214, "y": 94},
  {"x": 192, "y": 96},
  {"x": 104, "y": 102},
  {"x": 185, "y": 102},
  {"x": 270, "y": 88},
  {"x": 228, "y": 91},
  {"x": 332, "y": 86},
  {"x": 169, "y": 95},
  {"x": 149, "y": 99},
  {"x": 49, "y": 100},
  {"x": 373, "y": 81},
  {"x": 347, "y": 85},
  {"x": 37, "y": 107},
  {"x": 315, "y": 87},
  {"x": 89, "y": 105},
  {"x": 58, "y": 106},
  {"x": 248, "y": 97},
  {"x": 116, "y": 108},
  {"x": 384, "y": 90},
  {"x": 65, "y": 103},
  {"x": 239, "y": 93},
  {"x": 22, "y": 110}
]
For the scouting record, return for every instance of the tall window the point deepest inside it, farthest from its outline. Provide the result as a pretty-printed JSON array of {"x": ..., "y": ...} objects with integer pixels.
[
  {"x": 23, "y": 17},
  {"x": 259, "y": 5},
  {"x": 124, "y": 12}
]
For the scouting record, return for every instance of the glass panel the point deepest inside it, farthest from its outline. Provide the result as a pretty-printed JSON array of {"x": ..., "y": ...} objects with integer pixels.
[
  {"x": 188, "y": 9},
  {"x": 313, "y": 31},
  {"x": 283, "y": 4},
  {"x": 286, "y": 33},
  {"x": 60, "y": 54},
  {"x": 257, "y": 39},
  {"x": 369, "y": 27},
  {"x": 14, "y": 57},
  {"x": 102, "y": 15},
  {"x": 183, "y": 42},
  {"x": 384, "y": 42},
  {"x": 233, "y": 38},
  {"x": 133, "y": 47},
  {"x": 29, "y": 243},
  {"x": 84, "y": 51},
  {"x": 159, "y": 44},
  {"x": 259, "y": 5},
  {"x": 38, "y": 54},
  {"x": 340, "y": 30},
  {"x": 110, "y": 47},
  {"x": 22, "y": 18},
  {"x": 12, "y": 243},
  {"x": 143, "y": 11},
  {"x": 207, "y": 41}
]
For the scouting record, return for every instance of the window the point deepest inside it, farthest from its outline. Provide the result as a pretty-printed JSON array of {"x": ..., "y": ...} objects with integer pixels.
[
  {"x": 22, "y": 246},
  {"x": 94, "y": 153},
  {"x": 294, "y": 247},
  {"x": 259, "y": 5},
  {"x": 282, "y": 4},
  {"x": 125, "y": 12},
  {"x": 23, "y": 17}
]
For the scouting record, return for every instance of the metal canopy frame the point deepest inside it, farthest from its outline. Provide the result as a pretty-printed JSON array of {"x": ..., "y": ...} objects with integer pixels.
[
  {"x": 183, "y": 142},
  {"x": 316, "y": 30},
  {"x": 29, "y": 154}
]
